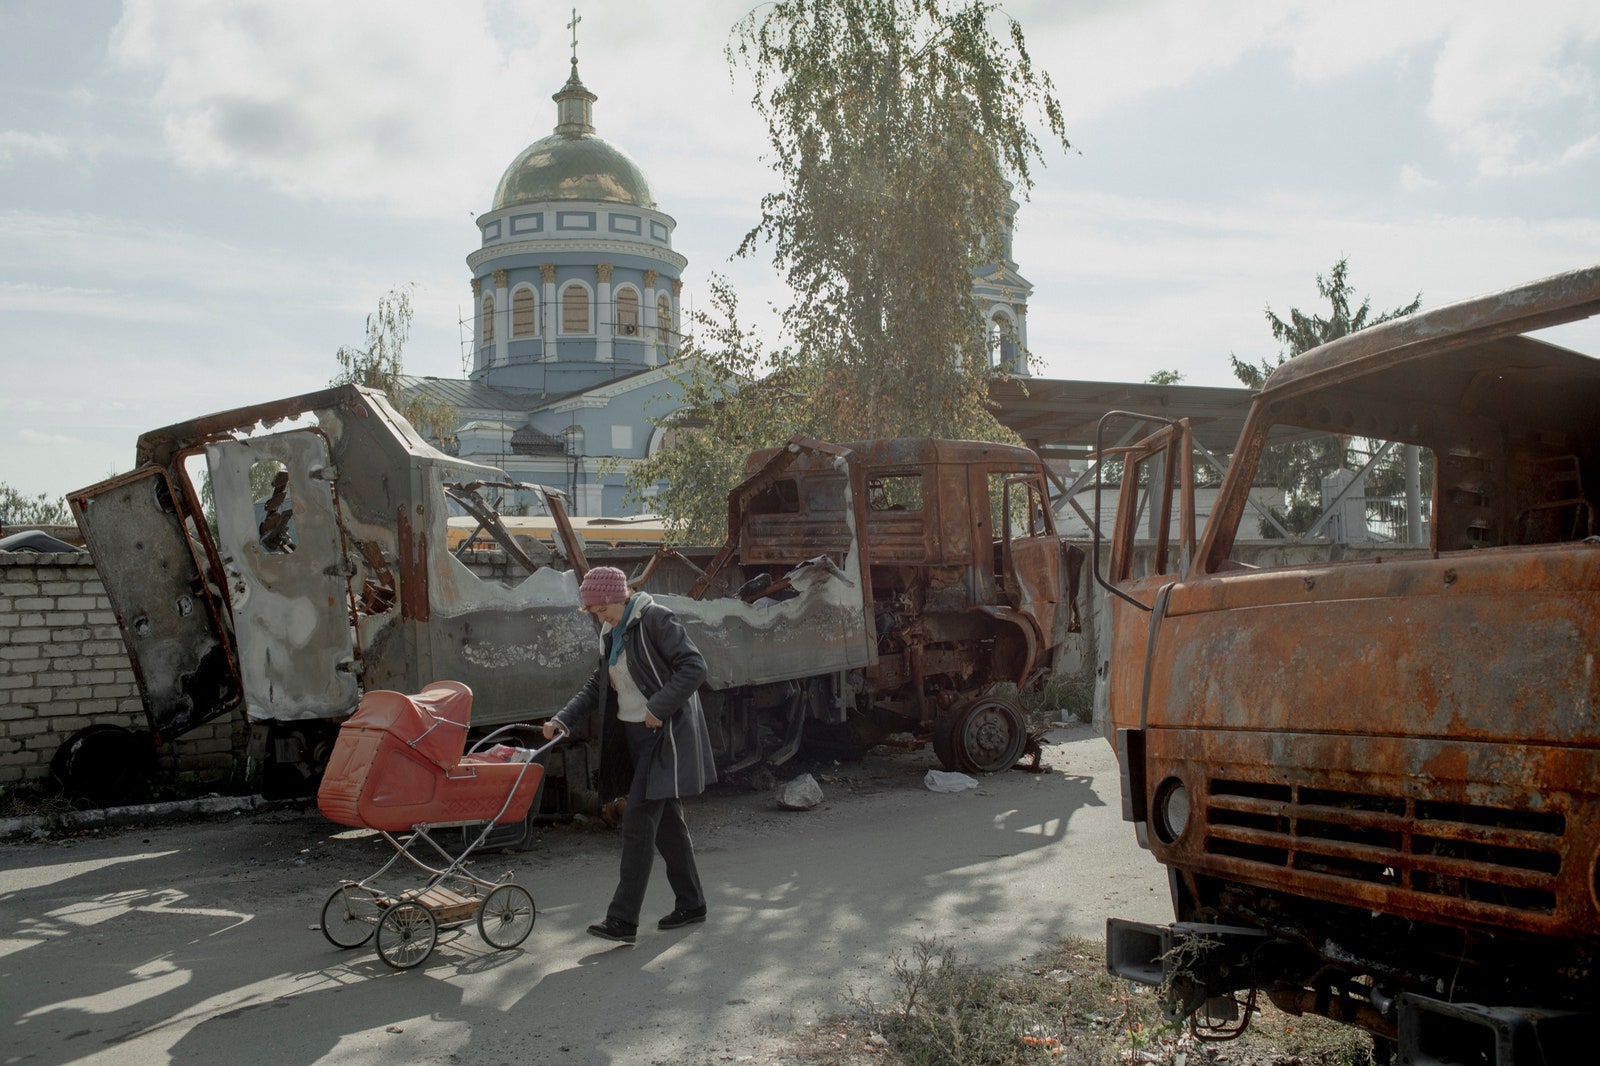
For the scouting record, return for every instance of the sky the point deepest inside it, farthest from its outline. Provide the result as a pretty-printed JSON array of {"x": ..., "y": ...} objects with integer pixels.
[{"x": 201, "y": 200}]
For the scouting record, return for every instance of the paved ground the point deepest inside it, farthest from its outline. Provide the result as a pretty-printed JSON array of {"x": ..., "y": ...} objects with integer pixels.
[{"x": 199, "y": 943}]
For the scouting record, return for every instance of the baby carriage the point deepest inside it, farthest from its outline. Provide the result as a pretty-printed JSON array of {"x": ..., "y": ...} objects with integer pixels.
[{"x": 398, "y": 767}]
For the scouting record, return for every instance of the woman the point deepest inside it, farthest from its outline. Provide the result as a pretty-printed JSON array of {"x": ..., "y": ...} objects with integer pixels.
[{"x": 653, "y": 744}]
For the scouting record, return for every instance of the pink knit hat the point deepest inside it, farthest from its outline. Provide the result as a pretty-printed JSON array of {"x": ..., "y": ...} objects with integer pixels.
[{"x": 603, "y": 584}]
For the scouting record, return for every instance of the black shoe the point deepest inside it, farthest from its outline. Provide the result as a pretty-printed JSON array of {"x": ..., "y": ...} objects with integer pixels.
[
  {"x": 682, "y": 917},
  {"x": 615, "y": 929}
]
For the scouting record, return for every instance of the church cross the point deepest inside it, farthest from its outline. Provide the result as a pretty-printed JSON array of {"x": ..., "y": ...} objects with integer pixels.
[{"x": 573, "y": 26}]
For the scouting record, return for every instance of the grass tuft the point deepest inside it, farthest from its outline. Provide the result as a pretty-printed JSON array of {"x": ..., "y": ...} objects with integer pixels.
[{"x": 1062, "y": 1008}]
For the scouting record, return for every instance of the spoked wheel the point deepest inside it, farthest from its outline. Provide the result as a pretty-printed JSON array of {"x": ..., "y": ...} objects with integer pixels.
[
  {"x": 406, "y": 935},
  {"x": 350, "y": 916},
  {"x": 988, "y": 736},
  {"x": 506, "y": 917}
]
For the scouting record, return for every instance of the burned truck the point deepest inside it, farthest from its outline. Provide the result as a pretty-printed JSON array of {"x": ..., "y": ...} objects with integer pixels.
[
  {"x": 280, "y": 560},
  {"x": 940, "y": 587},
  {"x": 1375, "y": 783}
]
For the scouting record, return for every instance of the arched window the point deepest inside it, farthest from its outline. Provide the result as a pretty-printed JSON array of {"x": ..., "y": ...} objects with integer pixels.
[
  {"x": 1004, "y": 351},
  {"x": 664, "y": 318},
  {"x": 488, "y": 318},
  {"x": 627, "y": 313},
  {"x": 575, "y": 309},
  {"x": 524, "y": 312}
]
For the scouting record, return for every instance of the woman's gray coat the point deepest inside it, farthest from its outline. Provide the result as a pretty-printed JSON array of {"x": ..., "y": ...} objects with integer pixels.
[{"x": 668, "y": 669}]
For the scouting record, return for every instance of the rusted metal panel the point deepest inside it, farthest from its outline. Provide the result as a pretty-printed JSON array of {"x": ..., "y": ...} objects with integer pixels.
[
  {"x": 169, "y": 615},
  {"x": 1324, "y": 747},
  {"x": 286, "y": 574},
  {"x": 821, "y": 631},
  {"x": 371, "y": 597}
]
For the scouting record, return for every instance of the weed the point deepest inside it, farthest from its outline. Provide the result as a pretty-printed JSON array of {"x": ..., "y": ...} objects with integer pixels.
[
  {"x": 1058, "y": 700},
  {"x": 1063, "y": 1009}
]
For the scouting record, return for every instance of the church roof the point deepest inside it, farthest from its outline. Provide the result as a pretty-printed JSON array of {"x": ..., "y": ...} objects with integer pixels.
[
  {"x": 475, "y": 397},
  {"x": 572, "y": 163},
  {"x": 583, "y": 167},
  {"x": 466, "y": 396}
]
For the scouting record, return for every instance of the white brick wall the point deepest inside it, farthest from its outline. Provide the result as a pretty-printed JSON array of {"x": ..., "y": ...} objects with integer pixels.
[{"x": 63, "y": 667}]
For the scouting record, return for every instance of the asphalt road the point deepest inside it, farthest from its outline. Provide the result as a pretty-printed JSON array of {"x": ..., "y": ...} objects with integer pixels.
[{"x": 199, "y": 943}]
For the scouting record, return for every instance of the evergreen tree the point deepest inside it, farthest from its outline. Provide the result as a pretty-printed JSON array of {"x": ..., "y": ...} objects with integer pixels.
[{"x": 1299, "y": 467}]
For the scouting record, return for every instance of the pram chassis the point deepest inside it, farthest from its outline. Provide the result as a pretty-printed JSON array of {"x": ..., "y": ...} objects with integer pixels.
[{"x": 406, "y": 924}]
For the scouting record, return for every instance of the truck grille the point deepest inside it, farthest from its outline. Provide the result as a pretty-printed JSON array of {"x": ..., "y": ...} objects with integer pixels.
[{"x": 1499, "y": 857}]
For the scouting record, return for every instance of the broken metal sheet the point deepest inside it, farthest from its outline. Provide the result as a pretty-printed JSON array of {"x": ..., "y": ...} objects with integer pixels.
[
  {"x": 823, "y": 630},
  {"x": 169, "y": 620},
  {"x": 286, "y": 574}
]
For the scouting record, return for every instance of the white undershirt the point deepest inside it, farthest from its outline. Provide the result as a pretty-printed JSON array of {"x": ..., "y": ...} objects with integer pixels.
[{"x": 631, "y": 706}]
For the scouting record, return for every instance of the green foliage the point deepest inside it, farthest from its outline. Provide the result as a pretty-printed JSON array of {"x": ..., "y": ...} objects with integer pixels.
[
  {"x": 1303, "y": 332},
  {"x": 1299, "y": 467},
  {"x": 1166, "y": 377},
  {"x": 737, "y": 399},
  {"x": 898, "y": 128},
  {"x": 19, "y": 509},
  {"x": 379, "y": 366},
  {"x": 951, "y": 1014}
]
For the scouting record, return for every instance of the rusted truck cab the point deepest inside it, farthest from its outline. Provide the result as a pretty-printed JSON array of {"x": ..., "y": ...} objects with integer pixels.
[
  {"x": 946, "y": 581},
  {"x": 1376, "y": 783}
]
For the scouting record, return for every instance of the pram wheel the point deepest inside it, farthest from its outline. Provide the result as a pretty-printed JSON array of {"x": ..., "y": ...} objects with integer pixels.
[
  {"x": 506, "y": 917},
  {"x": 406, "y": 935},
  {"x": 350, "y": 916}
]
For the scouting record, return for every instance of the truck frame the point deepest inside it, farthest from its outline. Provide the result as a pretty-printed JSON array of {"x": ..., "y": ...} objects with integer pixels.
[
  {"x": 894, "y": 585},
  {"x": 1375, "y": 783}
]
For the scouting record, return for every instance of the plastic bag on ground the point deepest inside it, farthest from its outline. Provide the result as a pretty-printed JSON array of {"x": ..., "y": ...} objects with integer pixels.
[{"x": 948, "y": 781}]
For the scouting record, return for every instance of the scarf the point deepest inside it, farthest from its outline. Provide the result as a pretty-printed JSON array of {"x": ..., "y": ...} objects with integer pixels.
[{"x": 616, "y": 633}]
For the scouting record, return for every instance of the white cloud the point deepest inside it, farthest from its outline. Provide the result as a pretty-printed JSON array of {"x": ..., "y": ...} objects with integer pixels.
[
  {"x": 357, "y": 100},
  {"x": 1412, "y": 179},
  {"x": 1163, "y": 284},
  {"x": 1518, "y": 92},
  {"x": 18, "y": 144},
  {"x": 1514, "y": 90},
  {"x": 73, "y": 303}
]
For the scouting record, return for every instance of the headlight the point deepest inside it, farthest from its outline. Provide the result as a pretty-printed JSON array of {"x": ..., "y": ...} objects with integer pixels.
[{"x": 1171, "y": 810}]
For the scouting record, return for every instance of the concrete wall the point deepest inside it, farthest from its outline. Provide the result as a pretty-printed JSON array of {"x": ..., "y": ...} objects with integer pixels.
[{"x": 63, "y": 667}]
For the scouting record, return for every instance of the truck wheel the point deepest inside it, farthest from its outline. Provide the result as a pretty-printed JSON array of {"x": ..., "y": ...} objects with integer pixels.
[
  {"x": 989, "y": 736},
  {"x": 944, "y": 742}
]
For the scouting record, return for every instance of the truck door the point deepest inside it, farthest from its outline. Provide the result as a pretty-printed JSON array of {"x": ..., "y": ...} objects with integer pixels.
[
  {"x": 170, "y": 618},
  {"x": 288, "y": 578},
  {"x": 1030, "y": 552}
]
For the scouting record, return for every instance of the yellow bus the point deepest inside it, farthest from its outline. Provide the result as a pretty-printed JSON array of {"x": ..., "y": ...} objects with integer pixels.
[{"x": 645, "y": 530}]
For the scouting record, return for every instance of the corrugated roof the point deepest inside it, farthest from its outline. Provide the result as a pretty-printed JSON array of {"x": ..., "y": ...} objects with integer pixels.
[
  {"x": 1057, "y": 418},
  {"x": 468, "y": 396}
]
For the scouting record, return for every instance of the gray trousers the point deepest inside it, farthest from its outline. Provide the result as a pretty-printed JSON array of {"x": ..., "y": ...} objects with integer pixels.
[{"x": 649, "y": 826}]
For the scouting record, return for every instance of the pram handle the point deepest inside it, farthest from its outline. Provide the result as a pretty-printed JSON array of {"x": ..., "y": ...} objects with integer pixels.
[{"x": 488, "y": 741}]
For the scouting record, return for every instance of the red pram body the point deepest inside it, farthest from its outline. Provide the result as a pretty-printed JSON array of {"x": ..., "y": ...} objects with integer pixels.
[{"x": 398, "y": 764}]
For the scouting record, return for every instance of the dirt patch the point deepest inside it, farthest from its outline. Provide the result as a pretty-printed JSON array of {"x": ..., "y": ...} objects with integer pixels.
[{"x": 1060, "y": 1007}]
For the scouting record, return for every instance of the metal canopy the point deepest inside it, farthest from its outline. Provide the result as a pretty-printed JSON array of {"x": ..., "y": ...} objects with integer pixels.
[{"x": 1057, "y": 418}]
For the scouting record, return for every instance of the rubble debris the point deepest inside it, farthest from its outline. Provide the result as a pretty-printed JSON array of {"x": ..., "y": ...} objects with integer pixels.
[{"x": 799, "y": 794}]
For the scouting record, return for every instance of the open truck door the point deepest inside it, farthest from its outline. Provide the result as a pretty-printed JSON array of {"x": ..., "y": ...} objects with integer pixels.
[
  {"x": 288, "y": 579},
  {"x": 171, "y": 619}
]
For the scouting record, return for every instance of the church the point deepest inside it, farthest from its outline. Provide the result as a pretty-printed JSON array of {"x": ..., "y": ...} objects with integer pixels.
[{"x": 578, "y": 323}]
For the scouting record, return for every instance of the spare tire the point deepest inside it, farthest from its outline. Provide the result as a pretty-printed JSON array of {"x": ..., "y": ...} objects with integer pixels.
[{"x": 103, "y": 764}]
